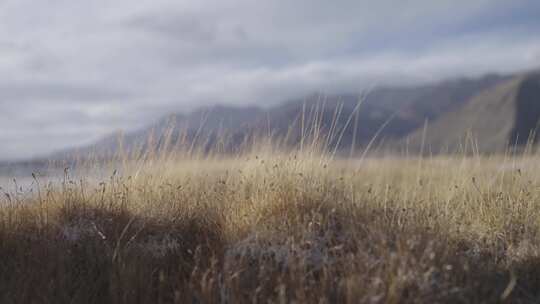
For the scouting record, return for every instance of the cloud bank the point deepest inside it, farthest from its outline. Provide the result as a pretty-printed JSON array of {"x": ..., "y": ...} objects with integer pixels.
[{"x": 73, "y": 71}]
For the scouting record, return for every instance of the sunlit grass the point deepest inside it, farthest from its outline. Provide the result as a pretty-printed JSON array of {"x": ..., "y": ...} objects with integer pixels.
[{"x": 274, "y": 224}]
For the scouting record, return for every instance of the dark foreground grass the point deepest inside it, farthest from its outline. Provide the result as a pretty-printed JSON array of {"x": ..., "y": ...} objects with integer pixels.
[{"x": 280, "y": 229}]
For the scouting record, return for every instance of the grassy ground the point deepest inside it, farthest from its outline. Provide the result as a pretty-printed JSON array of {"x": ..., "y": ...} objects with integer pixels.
[{"x": 280, "y": 228}]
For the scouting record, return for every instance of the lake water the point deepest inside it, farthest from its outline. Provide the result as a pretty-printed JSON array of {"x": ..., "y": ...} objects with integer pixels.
[{"x": 22, "y": 180}]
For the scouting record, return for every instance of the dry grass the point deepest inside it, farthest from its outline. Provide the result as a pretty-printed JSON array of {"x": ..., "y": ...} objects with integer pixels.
[{"x": 270, "y": 227}]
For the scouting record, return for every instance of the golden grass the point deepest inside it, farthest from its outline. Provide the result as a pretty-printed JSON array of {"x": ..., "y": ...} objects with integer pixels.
[{"x": 279, "y": 227}]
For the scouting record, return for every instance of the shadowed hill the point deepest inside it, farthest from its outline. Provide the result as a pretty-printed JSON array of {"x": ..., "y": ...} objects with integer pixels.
[
  {"x": 200, "y": 127},
  {"x": 527, "y": 111},
  {"x": 485, "y": 106},
  {"x": 502, "y": 117}
]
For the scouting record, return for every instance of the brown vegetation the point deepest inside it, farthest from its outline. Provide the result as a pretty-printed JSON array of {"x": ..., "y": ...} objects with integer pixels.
[{"x": 275, "y": 227}]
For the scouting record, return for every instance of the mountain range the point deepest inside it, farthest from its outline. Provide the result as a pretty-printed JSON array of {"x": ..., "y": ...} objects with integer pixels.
[{"x": 488, "y": 114}]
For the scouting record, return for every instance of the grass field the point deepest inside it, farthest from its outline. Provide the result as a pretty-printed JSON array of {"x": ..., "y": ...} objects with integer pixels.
[{"x": 279, "y": 227}]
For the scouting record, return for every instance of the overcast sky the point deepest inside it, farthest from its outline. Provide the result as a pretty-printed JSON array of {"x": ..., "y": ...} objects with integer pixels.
[{"x": 72, "y": 71}]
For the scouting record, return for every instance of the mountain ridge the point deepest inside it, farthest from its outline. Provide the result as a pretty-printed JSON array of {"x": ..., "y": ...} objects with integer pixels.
[
  {"x": 493, "y": 121},
  {"x": 394, "y": 115}
]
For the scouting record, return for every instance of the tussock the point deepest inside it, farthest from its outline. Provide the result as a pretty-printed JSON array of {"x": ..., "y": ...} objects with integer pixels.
[{"x": 279, "y": 226}]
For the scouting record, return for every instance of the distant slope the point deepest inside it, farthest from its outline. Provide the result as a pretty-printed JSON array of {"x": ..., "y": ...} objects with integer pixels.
[
  {"x": 492, "y": 121},
  {"x": 387, "y": 113},
  {"x": 488, "y": 106},
  {"x": 205, "y": 123}
]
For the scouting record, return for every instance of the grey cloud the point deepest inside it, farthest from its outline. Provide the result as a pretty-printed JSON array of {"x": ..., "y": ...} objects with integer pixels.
[
  {"x": 176, "y": 26},
  {"x": 85, "y": 68},
  {"x": 57, "y": 92}
]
